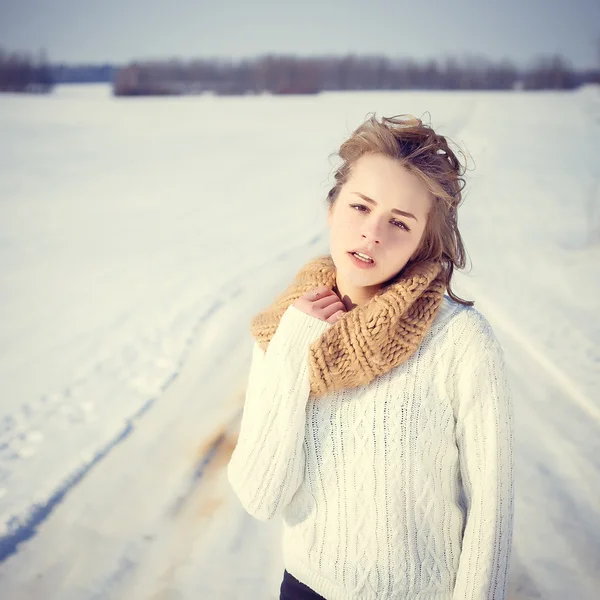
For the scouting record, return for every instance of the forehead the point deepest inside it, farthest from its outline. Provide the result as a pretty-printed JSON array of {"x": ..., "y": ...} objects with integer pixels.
[{"x": 387, "y": 179}]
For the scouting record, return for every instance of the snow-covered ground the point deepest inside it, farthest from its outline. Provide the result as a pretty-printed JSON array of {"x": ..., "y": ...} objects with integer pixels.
[{"x": 137, "y": 239}]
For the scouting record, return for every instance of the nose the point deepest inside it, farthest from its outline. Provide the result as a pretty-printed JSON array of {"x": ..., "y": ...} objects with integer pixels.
[
  {"x": 375, "y": 240},
  {"x": 372, "y": 232}
]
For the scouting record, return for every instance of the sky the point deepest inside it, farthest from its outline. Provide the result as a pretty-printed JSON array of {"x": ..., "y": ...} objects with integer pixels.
[{"x": 119, "y": 31}]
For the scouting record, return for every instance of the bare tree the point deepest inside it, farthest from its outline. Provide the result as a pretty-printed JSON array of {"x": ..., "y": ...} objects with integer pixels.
[{"x": 20, "y": 72}]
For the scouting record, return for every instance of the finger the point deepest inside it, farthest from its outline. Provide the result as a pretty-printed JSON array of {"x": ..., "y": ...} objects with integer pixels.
[
  {"x": 319, "y": 292},
  {"x": 333, "y": 309},
  {"x": 326, "y": 301},
  {"x": 335, "y": 316}
]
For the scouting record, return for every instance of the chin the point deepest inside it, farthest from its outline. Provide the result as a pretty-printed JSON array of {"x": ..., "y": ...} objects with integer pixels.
[{"x": 360, "y": 280}]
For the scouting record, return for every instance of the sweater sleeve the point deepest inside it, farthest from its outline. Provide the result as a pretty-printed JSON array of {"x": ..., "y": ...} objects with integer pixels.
[
  {"x": 267, "y": 464},
  {"x": 484, "y": 431}
]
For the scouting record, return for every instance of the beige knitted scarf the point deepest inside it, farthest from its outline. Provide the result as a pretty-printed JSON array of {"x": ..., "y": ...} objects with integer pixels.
[{"x": 368, "y": 340}]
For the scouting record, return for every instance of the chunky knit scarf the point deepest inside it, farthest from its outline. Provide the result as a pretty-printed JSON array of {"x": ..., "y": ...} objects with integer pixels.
[{"x": 368, "y": 340}]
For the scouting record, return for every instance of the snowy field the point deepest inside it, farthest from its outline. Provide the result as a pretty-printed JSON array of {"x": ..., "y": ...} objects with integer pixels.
[{"x": 137, "y": 239}]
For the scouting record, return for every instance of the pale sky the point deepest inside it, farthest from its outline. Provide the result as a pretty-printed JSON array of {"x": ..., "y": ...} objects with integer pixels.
[{"x": 119, "y": 31}]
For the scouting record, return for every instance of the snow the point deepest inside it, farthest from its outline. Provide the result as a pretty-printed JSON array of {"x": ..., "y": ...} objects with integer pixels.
[{"x": 137, "y": 239}]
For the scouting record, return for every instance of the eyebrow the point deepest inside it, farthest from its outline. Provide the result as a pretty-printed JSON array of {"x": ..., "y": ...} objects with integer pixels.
[{"x": 394, "y": 210}]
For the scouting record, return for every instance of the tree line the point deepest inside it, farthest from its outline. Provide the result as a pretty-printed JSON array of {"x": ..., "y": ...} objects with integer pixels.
[
  {"x": 281, "y": 74},
  {"x": 295, "y": 75}
]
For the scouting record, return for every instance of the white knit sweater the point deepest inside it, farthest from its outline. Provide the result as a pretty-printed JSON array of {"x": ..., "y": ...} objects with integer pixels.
[{"x": 402, "y": 488}]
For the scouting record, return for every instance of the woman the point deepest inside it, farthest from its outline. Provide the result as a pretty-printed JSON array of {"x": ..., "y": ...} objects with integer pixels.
[{"x": 378, "y": 419}]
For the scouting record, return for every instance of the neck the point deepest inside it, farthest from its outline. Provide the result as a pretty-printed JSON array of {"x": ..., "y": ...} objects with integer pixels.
[{"x": 353, "y": 297}]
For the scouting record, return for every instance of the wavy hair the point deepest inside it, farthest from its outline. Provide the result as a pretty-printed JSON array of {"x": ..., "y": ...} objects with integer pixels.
[{"x": 426, "y": 154}]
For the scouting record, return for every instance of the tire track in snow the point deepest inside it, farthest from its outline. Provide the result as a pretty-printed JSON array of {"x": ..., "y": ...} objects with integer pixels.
[
  {"x": 23, "y": 526},
  {"x": 197, "y": 505},
  {"x": 212, "y": 454},
  {"x": 185, "y": 521},
  {"x": 510, "y": 328},
  {"x": 505, "y": 323},
  {"x": 22, "y": 529},
  {"x": 556, "y": 471}
]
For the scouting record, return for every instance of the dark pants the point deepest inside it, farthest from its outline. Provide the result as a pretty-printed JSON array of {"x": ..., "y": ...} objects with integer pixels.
[{"x": 292, "y": 589}]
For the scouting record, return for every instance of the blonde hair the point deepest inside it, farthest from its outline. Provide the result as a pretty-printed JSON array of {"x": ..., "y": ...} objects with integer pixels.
[{"x": 427, "y": 155}]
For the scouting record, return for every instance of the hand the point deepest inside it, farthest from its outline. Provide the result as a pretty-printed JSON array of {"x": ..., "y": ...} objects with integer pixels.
[{"x": 322, "y": 303}]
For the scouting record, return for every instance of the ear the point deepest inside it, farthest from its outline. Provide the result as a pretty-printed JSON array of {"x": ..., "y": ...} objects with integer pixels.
[{"x": 329, "y": 216}]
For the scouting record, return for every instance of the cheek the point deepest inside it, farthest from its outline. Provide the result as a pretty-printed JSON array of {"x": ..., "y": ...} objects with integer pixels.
[
  {"x": 401, "y": 246},
  {"x": 352, "y": 222},
  {"x": 344, "y": 224}
]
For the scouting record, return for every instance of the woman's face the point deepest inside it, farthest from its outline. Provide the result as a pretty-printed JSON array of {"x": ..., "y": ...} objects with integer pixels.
[{"x": 363, "y": 218}]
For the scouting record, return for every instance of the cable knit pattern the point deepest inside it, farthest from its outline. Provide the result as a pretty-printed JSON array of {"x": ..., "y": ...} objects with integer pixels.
[
  {"x": 401, "y": 488},
  {"x": 368, "y": 340}
]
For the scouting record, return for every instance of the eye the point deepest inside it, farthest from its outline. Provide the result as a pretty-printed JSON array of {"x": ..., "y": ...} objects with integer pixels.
[
  {"x": 402, "y": 225},
  {"x": 399, "y": 224}
]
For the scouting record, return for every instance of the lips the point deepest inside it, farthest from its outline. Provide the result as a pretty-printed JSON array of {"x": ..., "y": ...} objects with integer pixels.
[
  {"x": 363, "y": 252},
  {"x": 359, "y": 263}
]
